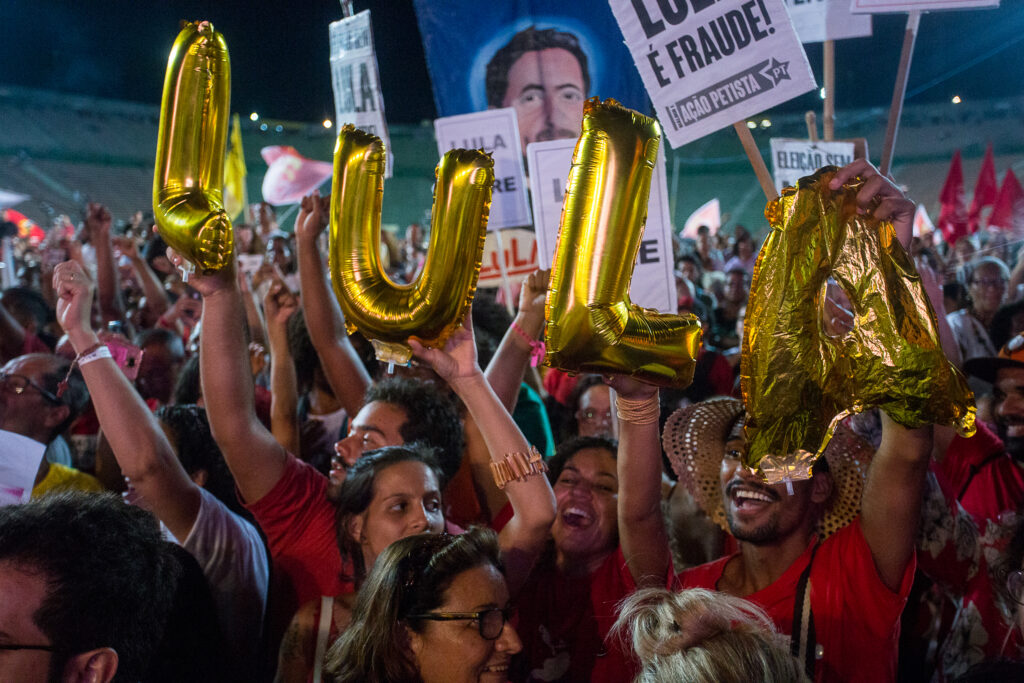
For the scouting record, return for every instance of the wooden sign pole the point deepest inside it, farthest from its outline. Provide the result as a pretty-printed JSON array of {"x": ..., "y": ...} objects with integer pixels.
[
  {"x": 812, "y": 126},
  {"x": 829, "y": 124},
  {"x": 900, "y": 89},
  {"x": 754, "y": 154}
]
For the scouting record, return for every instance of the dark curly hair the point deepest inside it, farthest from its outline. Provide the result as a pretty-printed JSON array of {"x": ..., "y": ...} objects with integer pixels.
[
  {"x": 432, "y": 418},
  {"x": 567, "y": 449},
  {"x": 529, "y": 39}
]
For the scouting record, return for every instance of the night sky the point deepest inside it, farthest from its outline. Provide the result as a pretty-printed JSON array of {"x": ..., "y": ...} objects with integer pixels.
[{"x": 279, "y": 53}]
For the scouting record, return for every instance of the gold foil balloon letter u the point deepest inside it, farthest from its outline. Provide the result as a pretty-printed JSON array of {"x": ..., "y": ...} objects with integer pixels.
[
  {"x": 592, "y": 326},
  {"x": 188, "y": 184},
  {"x": 433, "y": 306},
  {"x": 798, "y": 382}
]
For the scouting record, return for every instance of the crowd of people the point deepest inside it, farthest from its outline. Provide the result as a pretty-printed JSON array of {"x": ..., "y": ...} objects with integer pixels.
[{"x": 231, "y": 488}]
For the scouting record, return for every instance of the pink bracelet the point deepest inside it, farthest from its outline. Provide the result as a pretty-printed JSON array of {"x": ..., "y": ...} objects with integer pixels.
[{"x": 537, "y": 348}]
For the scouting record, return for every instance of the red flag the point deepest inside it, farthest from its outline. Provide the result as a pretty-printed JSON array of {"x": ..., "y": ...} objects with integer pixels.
[
  {"x": 1008, "y": 211},
  {"x": 953, "y": 214},
  {"x": 291, "y": 175},
  {"x": 985, "y": 190}
]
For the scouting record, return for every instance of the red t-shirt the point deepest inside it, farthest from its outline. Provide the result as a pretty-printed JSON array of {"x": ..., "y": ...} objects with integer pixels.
[
  {"x": 564, "y": 621},
  {"x": 298, "y": 521},
  {"x": 980, "y": 475},
  {"x": 856, "y": 616}
]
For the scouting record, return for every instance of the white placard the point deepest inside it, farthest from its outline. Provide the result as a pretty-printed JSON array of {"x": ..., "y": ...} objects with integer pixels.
[
  {"x": 710, "y": 67},
  {"x": 793, "y": 159},
  {"x": 496, "y": 131},
  {"x": 357, "y": 95},
  {"x": 20, "y": 458},
  {"x": 520, "y": 252},
  {"x": 880, "y": 6},
  {"x": 816, "y": 21},
  {"x": 653, "y": 283}
]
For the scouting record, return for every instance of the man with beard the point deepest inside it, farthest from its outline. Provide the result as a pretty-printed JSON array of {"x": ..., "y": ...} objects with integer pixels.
[
  {"x": 830, "y": 558},
  {"x": 543, "y": 74}
]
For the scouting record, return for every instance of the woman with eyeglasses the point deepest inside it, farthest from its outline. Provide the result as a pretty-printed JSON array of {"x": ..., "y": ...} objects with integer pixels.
[
  {"x": 986, "y": 280},
  {"x": 395, "y": 492},
  {"x": 435, "y": 609}
]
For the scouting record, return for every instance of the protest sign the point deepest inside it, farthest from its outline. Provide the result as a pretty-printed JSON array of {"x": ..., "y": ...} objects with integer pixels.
[
  {"x": 494, "y": 131},
  {"x": 474, "y": 50},
  {"x": 708, "y": 65},
  {"x": 709, "y": 214},
  {"x": 357, "y": 96},
  {"x": 816, "y": 21},
  {"x": 880, "y": 6},
  {"x": 793, "y": 159},
  {"x": 518, "y": 247},
  {"x": 653, "y": 283},
  {"x": 20, "y": 457}
]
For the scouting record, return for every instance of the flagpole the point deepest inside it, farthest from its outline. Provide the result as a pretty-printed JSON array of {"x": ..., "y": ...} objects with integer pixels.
[
  {"x": 899, "y": 91},
  {"x": 812, "y": 126}
]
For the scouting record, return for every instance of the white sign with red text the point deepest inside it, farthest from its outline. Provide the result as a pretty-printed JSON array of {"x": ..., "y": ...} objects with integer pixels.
[
  {"x": 653, "y": 283},
  {"x": 519, "y": 249},
  {"x": 707, "y": 65}
]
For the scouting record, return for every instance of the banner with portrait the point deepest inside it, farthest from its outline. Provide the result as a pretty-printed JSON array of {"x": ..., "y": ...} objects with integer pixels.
[{"x": 542, "y": 58}]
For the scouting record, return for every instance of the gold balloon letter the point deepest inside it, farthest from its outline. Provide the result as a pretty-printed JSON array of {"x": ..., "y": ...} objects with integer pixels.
[
  {"x": 433, "y": 306},
  {"x": 188, "y": 185},
  {"x": 592, "y": 326},
  {"x": 798, "y": 382}
]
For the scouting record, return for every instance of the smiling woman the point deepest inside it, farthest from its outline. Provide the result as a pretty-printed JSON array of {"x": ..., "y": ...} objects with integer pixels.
[{"x": 435, "y": 609}]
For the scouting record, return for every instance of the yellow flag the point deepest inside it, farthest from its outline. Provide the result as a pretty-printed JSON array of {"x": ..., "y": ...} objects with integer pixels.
[{"x": 235, "y": 196}]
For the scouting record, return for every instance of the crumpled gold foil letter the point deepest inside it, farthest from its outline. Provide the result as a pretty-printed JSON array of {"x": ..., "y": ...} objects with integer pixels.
[
  {"x": 433, "y": 306},
  {"x": 188, "y": 183},
  {"x": 797, "y": 381},
  {"x": 591, "y": 324}
]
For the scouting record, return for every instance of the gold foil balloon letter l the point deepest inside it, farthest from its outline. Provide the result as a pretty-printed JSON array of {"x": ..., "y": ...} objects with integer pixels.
[
  {"x": 591, "y": 324},
  {"x": 188, "y": 181}
]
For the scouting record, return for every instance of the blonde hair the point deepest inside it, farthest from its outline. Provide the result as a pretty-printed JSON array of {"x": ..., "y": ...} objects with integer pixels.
[{"x": 699, "y": 636}]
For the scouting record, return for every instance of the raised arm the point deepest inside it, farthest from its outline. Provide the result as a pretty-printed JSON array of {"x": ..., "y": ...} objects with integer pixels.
[
  {"x": 533, "y": 501},
  {"x": 891, "y": 505},
  {"x": 642, "y": 534},
  {"x": 134, "y": 434},
  {"x": 157, "y": 300},
  {"x": 345, "y": 373},
  {"x": 256, "y": 460},
  {"x": 98, "y": 220},
  {"x": 507, "y": 367},
  {"x": 278, "y": 305}
]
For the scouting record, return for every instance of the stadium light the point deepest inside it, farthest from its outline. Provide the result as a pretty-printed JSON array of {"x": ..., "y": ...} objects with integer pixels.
[
  {"x": 254, "y": 116},
  {"x": 327, "y": 123}
]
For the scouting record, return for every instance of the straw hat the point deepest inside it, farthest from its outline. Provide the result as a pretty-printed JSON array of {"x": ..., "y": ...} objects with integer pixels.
[{"x": 695, "y": 437}]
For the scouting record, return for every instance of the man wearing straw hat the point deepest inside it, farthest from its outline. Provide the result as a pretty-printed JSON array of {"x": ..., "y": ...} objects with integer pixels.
[{"x": 830, "y": 558}]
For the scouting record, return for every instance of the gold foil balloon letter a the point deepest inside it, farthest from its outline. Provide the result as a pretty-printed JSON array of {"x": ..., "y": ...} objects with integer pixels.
[
  {"x": 433, "y": 306},
  {"x": 591, "y": 324},
  {"x": 798, "y": 382},
  {"x": 188, "y": 184}
]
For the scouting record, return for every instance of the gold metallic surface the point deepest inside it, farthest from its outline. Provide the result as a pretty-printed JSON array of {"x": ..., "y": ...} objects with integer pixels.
[
  {"x": 797, "y": 381},
  {"x": 591, "y": 324},
  {"x": 433, "y": 306},
  {"x": 188, "y": 183}
]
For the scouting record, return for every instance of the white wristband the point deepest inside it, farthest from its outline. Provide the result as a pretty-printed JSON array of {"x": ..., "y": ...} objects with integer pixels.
[{"x": 101, "y": 352}]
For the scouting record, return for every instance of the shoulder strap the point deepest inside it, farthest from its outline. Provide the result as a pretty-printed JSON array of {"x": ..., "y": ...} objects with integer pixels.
[
  {"x": 323, "y": 632},
  {"x": 803, "y": 644}
]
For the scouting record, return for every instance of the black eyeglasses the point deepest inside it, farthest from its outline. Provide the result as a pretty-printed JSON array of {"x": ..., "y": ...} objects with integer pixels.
[
  {"x": 490, "y": 622},
  {"x": 1015, "y": 586},
  {"x": 47, "y": 648},
  {"x": 19, "y": 383}
]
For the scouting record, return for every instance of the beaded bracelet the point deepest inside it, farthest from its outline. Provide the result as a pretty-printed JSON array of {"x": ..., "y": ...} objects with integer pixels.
[
  {"x": 518, "y": 466},
  {"x": 639, "y": 412}
]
